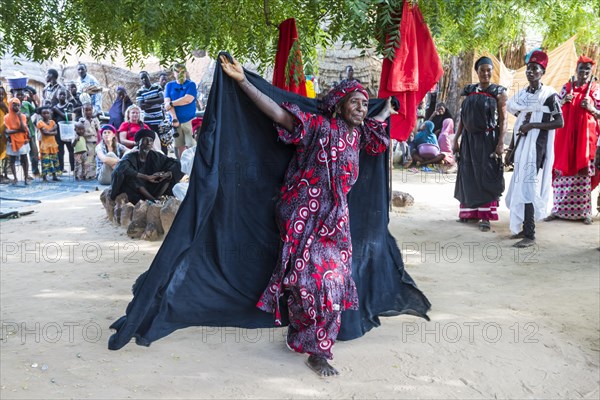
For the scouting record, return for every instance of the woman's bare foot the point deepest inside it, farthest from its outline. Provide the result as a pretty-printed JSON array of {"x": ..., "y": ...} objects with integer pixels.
[{"x": 321, "y": 366}]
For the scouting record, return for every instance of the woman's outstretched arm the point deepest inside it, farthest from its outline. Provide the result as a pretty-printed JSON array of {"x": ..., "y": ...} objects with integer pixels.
[{"x": 262, "y": 101}]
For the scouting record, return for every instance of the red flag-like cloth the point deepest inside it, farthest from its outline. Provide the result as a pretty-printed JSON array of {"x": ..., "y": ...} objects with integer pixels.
[
  {"x": 575, "y": 142},
  {"x": 415, "y": 70},
  {"x": 288, "y": 55}
]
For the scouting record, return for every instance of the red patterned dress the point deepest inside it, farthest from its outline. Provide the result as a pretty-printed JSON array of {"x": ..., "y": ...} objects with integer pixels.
[
  {"x": 315, "y": 261},
  {"x": 575, "y": 176}
]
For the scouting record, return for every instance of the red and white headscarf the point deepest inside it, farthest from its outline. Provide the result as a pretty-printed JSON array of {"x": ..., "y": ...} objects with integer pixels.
[{"x": 336, "y": 94}]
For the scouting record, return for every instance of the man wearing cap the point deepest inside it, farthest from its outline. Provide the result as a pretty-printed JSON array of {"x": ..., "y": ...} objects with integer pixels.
[
  {"x": 538, "y": 112},
  {"x": 145, "y": 174},
  {"x": 180, "y": 102},
  {"x": 575, "y": 175}
]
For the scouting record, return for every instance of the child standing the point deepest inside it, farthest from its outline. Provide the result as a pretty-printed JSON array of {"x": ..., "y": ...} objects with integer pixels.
[
  {"x": 81, "y": 154},
  {"x": 48, "y": 145},
  {"x": 92, "y": 130},
  {"x": 63, "y": 111}
]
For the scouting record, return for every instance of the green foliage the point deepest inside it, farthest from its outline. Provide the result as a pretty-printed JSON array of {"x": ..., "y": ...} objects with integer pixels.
[
  {"x": 171, "y": 30},
  {"x": 293, "y": 65}
]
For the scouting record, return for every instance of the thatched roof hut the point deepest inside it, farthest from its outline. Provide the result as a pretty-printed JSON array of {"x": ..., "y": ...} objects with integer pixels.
[
  {"x": 366, "y": 65},
  {"x": 16, "y": 66}
]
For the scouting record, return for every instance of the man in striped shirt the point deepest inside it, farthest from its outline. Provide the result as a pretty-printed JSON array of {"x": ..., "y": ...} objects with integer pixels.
[{"x": 150, "y": 98}]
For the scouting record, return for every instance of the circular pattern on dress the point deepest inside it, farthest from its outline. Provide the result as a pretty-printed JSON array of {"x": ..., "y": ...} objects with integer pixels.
[
  {"x": 299, "y": 226},
  {"x": 324, "y": 231},
  {"x": 314, "y": 192},
  {"x": 306, "y": 255},
  {"x": 333, "y": 154},
  {"x": 341, "y": 145},
  {"x": 293, "y": 278},
  {"x": 344, "y": 255},
  {"x": 350, "y": 138},
  {"x": 311, "y": 299},
  {"x": 303, "y": 211},
  {"x": 313, "y": 205},
  {"x": 310, "y": 240},
  {"x": 311, "y": 312},
  {"x": 321, "y": 334},
  {"x": 273, "y": 288},
  {"x": 303, "y": 293},
  {"x": 322, "y": 156},
  {"x": 325, "y": 344},
  {"x": 300, "y": 265}
]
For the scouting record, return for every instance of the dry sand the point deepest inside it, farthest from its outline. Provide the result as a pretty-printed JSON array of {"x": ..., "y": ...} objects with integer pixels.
[{"x": 504, "y": 323}]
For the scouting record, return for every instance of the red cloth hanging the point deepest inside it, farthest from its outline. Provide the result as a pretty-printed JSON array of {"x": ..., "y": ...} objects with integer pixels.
[
  {"x": 575, "y": 143},
  {"x": 415, "y": 71},
  {"x": 288, "y": 40}
]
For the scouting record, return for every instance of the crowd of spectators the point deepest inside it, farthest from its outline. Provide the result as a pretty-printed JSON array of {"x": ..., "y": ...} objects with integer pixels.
[{"x": 68, "y": 123}]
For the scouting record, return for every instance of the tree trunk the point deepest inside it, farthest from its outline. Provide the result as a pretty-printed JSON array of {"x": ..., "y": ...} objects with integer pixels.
[{"x": 457, "y": 74}]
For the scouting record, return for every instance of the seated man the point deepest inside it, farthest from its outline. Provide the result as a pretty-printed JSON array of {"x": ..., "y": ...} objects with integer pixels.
[
  {"x": 426, "y": 149},
  {"x": 143, "y": 173}
]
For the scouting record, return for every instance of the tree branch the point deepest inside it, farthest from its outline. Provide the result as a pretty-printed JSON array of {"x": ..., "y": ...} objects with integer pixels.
[{"x": 267, "y": 12}]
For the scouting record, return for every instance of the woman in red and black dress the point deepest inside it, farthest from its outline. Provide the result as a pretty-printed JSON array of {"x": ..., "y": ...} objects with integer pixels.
[{"x": 315, "y": 259}]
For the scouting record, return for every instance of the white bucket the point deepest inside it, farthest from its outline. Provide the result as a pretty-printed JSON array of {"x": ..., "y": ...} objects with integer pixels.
[{"x": 67, "y": 131}]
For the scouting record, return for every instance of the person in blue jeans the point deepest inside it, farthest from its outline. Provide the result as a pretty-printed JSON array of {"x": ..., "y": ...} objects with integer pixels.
[{"x": 180, "y": 103}]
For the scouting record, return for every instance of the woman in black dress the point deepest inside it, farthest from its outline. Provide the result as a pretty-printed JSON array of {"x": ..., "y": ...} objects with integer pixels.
[{"x": 480, "y": 179}]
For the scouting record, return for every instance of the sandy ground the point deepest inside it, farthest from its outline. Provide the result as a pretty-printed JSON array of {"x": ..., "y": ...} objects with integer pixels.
[{"x": 504, "y": 323}]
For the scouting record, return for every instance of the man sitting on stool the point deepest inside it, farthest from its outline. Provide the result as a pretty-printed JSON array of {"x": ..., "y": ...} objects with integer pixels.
[{"x": 145, "y": 174}]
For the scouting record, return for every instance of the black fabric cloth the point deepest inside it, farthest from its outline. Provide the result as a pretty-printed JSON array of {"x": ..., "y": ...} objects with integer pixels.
[
  {"x": 124, "y": 177},
  {"x": 553, "y": 103},
  {"x": 222, "y": 248},
  {"x": 480, "y": 178},
  {"x": 529, "y": 221}
]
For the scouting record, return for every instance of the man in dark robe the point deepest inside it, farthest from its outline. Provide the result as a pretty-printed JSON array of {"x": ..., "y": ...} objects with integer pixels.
[{"x": 145, "y": 174}]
